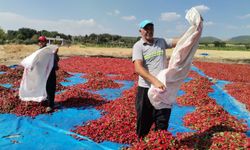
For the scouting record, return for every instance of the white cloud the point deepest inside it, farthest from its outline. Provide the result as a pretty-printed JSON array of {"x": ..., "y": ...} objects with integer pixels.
[
  {"x": 248, "y": 26},
  {"x": 114, "y": 13},
  {"x": 90, "y": 22},
  {"x": 128, "y": 18},
  {"x": 12, "y": 21},
  {"x": 181, "y": 28},
  {"x": 245, "y": 16},
  {"x": 175, "y": 31},
  {"x": 231, "y": 27},
  {"x": 169, "y": 16},
  {"x": 202, "y": 8},
  {"x": 208, "y": 23}
]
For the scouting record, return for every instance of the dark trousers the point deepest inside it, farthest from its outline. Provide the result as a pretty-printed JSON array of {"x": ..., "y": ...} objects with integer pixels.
[
  {"x": 51, "y": 87},
  {"x": 147, "y": 114}
]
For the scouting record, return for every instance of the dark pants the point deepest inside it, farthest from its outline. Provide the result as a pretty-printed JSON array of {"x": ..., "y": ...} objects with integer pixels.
[
  {"x": 147, "y": 114},
  {"x": 51, "y": 87}
]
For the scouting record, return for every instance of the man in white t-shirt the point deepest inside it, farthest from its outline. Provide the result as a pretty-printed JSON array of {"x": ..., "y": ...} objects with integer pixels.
[{"x": 149, "y": 58}]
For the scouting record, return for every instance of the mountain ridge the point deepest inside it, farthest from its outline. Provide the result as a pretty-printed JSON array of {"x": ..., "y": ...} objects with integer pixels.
[{"x": 241, "y": 39}]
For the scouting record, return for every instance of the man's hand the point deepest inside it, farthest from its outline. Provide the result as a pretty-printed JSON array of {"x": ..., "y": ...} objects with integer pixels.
[
  {"x": 139, "y": 69},
  {"x": 158, "y": 84}
]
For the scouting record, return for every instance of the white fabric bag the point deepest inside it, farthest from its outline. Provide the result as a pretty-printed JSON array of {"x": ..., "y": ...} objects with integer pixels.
[
  {"x": 179, "y": 64},
  {"x": 37, "y": 68}
]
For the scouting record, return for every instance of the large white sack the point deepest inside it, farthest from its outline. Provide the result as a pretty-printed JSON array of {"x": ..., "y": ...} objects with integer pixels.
[
  {"x": 179, "y": 64},
  {"x": 37, "y": 68}
]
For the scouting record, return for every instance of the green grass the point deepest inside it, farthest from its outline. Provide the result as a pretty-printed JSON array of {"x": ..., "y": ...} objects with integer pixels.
[{"x": 227, "y": 48}]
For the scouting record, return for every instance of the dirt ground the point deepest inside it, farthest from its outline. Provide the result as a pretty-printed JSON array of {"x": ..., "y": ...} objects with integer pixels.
[{"x": 13, "y": 54}]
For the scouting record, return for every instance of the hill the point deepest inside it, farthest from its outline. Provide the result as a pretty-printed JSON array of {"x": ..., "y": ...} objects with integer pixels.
[
  {"x": 245, "y": 39},
  {"x": 209, "y": 39}
]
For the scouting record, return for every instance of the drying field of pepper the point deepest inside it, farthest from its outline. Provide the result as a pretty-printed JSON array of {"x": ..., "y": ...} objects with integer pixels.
[{"x": 213, "y": 125}]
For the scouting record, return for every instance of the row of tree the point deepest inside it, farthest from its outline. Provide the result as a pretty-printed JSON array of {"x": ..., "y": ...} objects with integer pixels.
[
  {"x": 224, "y": 45},
  {"x": 30, "y": 36},
  {"x": 215, "y": 43},
  {"x": 27, "y": 36},
  {"x": 105, "y": 40}
]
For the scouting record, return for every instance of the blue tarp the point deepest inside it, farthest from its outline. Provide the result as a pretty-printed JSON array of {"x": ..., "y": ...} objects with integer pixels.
[
  {"x": 204, "y": 54},
  {"x": 49, "y": 131},
  {"x": 13, "y": 66},
  {"x": 175, "y": 123},
  {"x": 7, "y": 85},
  {"x": 230, "y": 104},
  {"x": 112, "y": 94},
  {"x": 74, "y": 80},
  {"x": 52, "y": 131}
]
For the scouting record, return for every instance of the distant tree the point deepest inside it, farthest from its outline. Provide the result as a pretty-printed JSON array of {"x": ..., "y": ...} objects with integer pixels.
[
  {"x": 20, "y": 36},
  {"x": 2, "y": 36},
  {"x": 34, "y": 38},
  {"x": 138, "y": 38},
  {"x": 219, "y": 44},
  {"x": 104, "y": 38},
  {"x": 11, "y": 34},
  {"x": 93, "y": 38},
  {"x": 247, "y": 46},
  {"x": 116, "y": 37},
  {"x": 203, "y": 44},
  {"x": 45, "y": 33},
  {"x": 54, "y": 34},
  {"x": 26, "y": 33}
]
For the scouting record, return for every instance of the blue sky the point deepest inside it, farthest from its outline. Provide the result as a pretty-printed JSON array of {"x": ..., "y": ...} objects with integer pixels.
[{"x": 222, "y": 18}]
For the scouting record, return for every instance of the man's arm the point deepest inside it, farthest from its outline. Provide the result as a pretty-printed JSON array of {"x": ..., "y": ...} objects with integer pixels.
[
  {"x": 174, "y": 41},
  {"x": 139, "y": 69}
]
